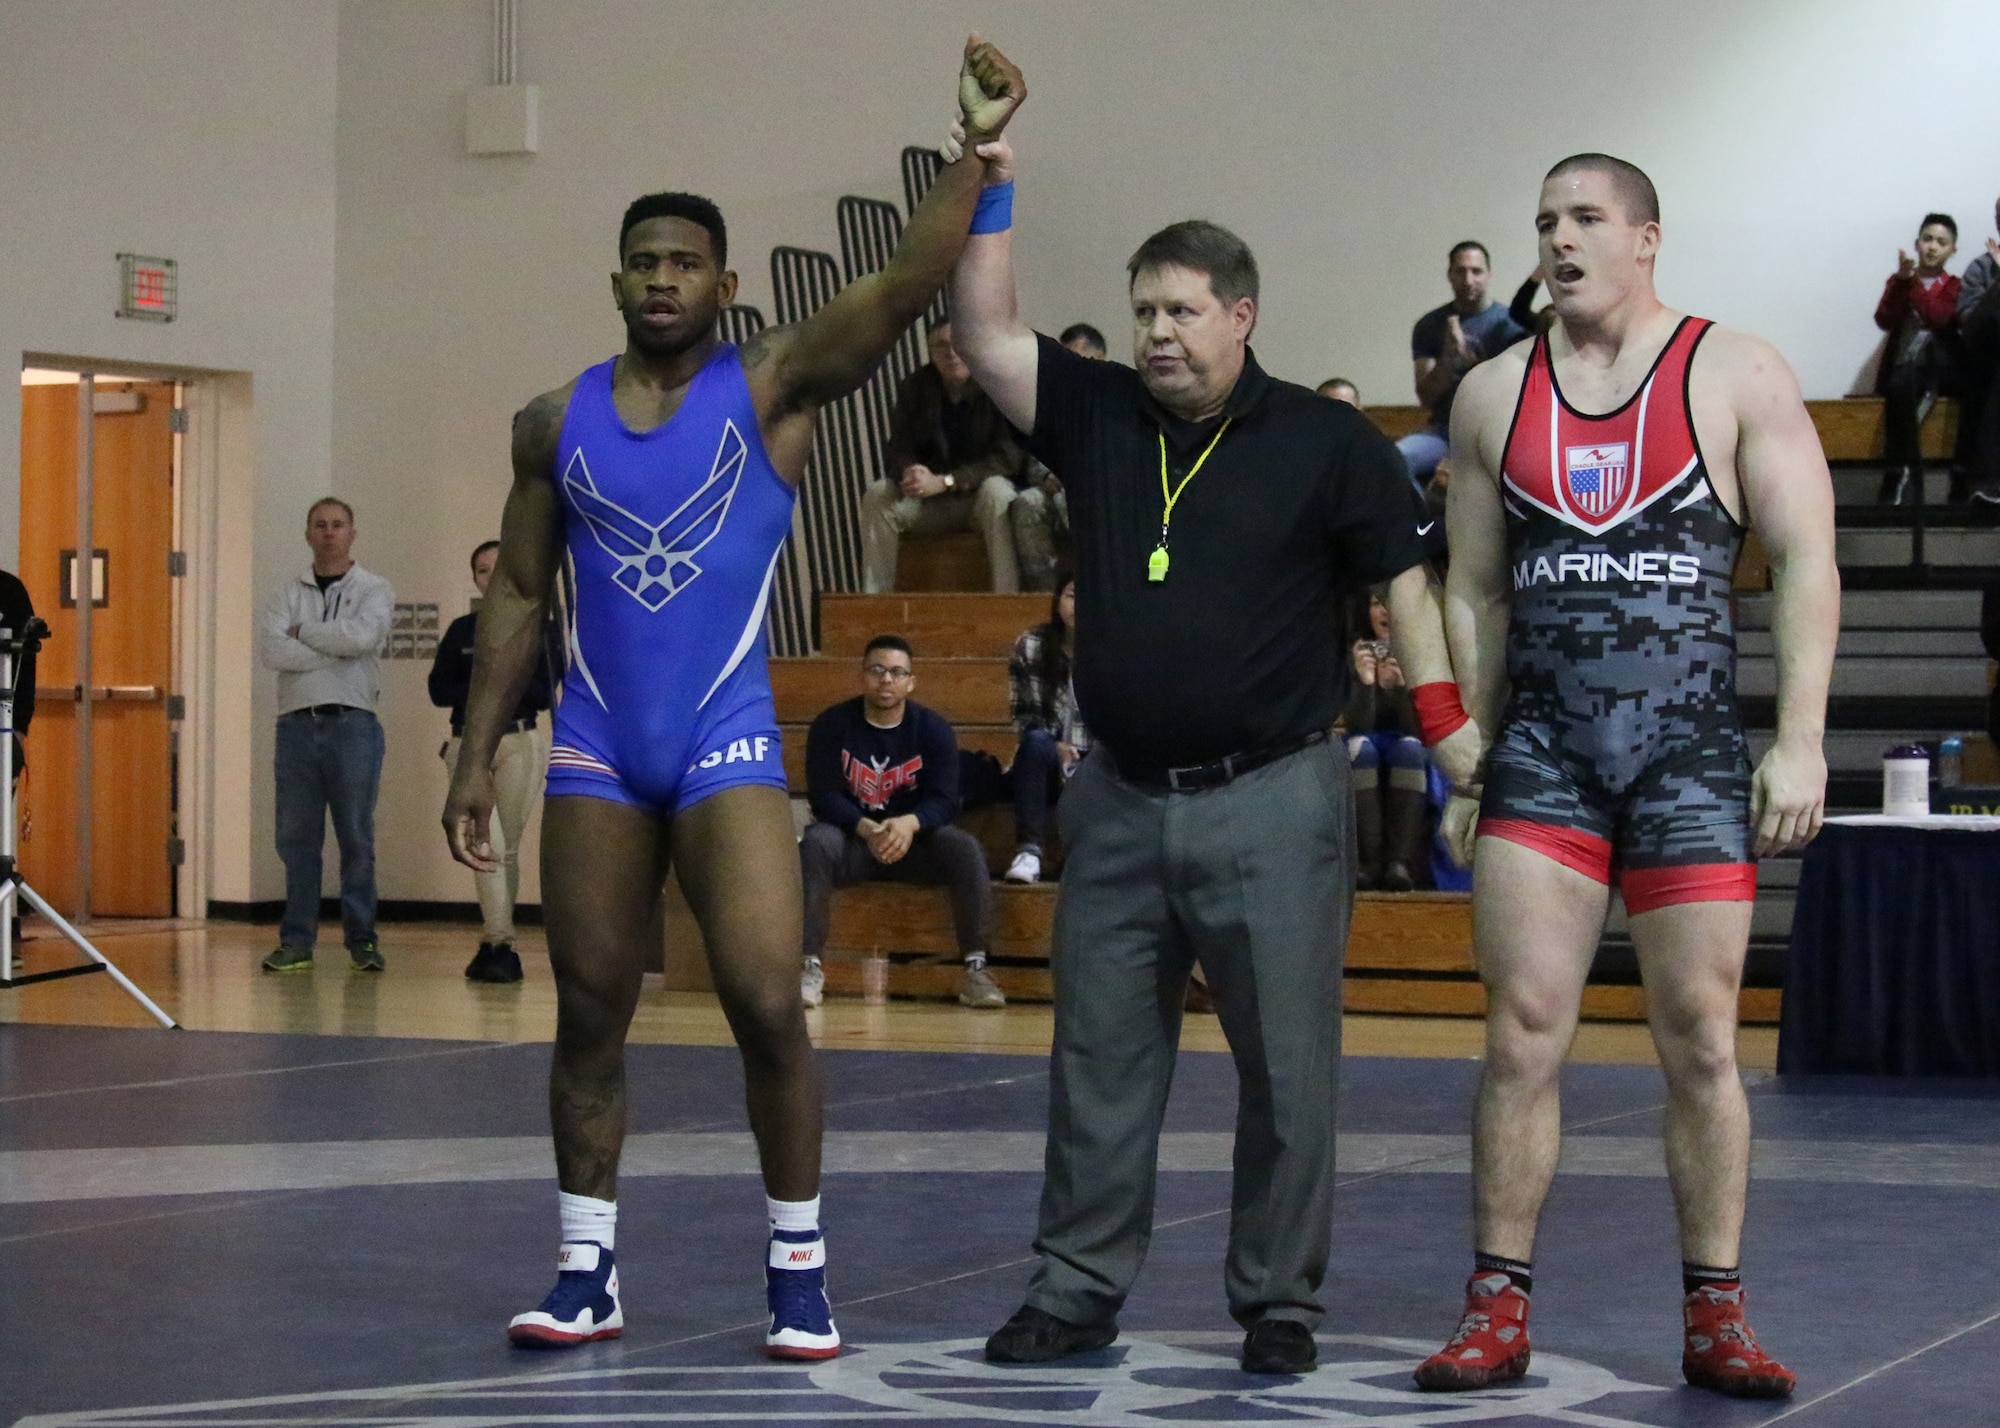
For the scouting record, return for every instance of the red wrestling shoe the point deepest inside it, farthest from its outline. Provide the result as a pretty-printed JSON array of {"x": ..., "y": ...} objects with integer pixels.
[
  {"x": 1721, "y": 1353},
  {"x": 1491, "y": 1345}
]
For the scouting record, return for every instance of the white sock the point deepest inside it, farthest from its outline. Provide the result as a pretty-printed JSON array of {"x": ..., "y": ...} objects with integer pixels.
[
  {"x": 588, "y": 1220},
  {"x": 793, "y": 1215}
]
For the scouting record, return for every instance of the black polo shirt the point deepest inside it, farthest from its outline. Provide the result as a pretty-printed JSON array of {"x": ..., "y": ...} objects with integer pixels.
[{"x": 1239, "y": 647}]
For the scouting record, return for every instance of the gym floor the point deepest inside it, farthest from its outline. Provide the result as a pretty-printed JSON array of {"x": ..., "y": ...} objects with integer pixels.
[{"x": 324, "y": 1206}]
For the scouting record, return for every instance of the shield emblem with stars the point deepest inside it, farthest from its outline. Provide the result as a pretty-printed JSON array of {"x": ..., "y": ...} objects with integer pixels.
[{"x": 1595, "y": 477}]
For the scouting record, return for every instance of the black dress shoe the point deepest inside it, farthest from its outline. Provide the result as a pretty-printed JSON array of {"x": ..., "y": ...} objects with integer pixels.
[
  {"x": 1035, "y": 1336},
  {"x": 1278, "y": 1346}
]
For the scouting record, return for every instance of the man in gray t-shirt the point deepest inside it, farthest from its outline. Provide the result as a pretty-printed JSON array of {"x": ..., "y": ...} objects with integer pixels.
[{"x": 1448, "y": 342}]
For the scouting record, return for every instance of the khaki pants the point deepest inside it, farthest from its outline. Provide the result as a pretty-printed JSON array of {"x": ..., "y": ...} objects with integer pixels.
[
  {"x": 517, "y": 777},
  {"x": 887, "y": 515}
]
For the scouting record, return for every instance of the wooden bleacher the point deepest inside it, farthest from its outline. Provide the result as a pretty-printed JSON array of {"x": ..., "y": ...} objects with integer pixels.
[
  {"x": 1850, "y": 428},
  {"x": 1408, "y": 953}
]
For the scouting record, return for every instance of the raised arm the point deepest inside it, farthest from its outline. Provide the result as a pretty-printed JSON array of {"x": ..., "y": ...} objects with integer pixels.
[
  {"x": 507, "y": 644},
  {"x": 805, "y": 366},
  {"x": 1789, "y": 494},
  {"x": 986, "y": 325}
]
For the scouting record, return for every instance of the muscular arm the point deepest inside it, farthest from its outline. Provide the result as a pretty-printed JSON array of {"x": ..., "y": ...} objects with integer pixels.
[
  {"x": 1478, "y": 592},
  {"x": 1416, "y": 630},
  {"x": 822, "y": 359},
  {"x": 508, "y": 644},
  {"x": 1789, "y": 495}
]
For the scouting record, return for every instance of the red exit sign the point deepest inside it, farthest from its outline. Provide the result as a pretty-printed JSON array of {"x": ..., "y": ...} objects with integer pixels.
[{"x": 148, "y": 288}]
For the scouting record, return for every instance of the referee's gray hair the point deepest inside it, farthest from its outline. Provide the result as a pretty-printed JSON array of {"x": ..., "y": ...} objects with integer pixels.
[{"x": 1202, "y": 247}]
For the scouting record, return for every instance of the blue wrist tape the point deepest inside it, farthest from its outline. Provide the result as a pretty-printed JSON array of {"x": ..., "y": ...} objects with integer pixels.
[{"x": 995, "y": 213}]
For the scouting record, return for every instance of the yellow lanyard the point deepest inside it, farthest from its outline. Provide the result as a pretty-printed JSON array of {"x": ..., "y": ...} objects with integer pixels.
[{"x": 1156, "y": 563}]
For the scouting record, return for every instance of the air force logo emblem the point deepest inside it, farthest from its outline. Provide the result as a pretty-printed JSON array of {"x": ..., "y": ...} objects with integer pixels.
[
  {"x": 1595, "y": 477},
  {"x": 657, "y": 562}
]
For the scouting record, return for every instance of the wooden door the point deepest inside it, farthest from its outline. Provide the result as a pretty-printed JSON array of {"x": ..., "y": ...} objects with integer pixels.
[{"x": 132, "y": 648}]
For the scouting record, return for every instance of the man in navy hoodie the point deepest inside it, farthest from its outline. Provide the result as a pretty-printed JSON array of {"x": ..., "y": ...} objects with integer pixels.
[{"x": 882, "y": 777}]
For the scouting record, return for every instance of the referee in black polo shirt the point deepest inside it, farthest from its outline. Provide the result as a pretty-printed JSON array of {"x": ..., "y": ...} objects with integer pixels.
[{"x": 1218, "y": 515}]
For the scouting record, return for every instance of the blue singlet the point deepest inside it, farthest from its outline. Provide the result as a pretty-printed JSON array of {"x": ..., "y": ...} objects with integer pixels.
[{"x": 672, "y": 537}]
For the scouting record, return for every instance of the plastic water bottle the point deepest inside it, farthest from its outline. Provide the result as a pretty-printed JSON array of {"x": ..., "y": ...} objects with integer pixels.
[
  {"x": 1951, "y": 762},
  {"x": 875, "y": 979}
]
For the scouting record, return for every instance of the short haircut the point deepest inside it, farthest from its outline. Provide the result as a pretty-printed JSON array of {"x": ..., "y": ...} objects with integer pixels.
[
  {"x": 1942, "y": 220},
  {"x": 1635, "y": 190},
  {"x": 890, "y": 642},
  {"x": 482, "y": 548},
  {"x": 1202, "y": 247},
  {"x": 1084, "y": 332},
  {"x": 1337, "y": 382},
  {"x": 1462, "y": 245},
  {"x": 691, "y": 206},
  {"x": 330, "y": 501}
]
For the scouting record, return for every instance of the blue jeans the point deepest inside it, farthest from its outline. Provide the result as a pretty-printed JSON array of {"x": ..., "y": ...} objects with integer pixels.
[
  {"x": 328, "y": 762},
  {"x": 1422, "y": 450},
  {"x": 1037, "y": 779}
]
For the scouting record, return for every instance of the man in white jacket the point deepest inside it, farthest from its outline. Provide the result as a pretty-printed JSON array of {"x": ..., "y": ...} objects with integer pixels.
[{"x": 322, "y": 633}]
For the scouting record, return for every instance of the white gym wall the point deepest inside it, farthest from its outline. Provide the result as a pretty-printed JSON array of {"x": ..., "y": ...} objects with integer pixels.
[{"x": 397, "y": 300}]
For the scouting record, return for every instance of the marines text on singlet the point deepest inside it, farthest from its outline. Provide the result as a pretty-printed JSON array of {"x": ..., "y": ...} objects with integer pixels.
[{"x": 1621, "y": 747}]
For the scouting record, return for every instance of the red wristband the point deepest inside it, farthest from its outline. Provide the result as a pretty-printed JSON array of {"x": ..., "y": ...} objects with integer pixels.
[{"x": 1439, "y": 713}]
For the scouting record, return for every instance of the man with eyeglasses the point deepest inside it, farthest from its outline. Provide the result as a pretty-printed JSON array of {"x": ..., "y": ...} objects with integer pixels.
[{"x": 882, "y": 776}]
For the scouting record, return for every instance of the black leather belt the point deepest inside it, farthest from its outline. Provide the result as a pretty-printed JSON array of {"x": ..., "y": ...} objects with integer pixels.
[
  {"x": 329, "y": 711},
  {"x": 519, "y": 726},
  {"x": 1225, "y": 770}
]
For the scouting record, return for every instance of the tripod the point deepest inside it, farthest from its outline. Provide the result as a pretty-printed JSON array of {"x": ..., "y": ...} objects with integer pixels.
[{"x": 13, "y": 887}]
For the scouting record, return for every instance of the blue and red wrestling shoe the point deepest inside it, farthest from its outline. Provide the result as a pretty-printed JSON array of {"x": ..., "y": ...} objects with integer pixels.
[
  {"x": 583, "y": 1306},
  {"x": 795, "y": 1290}
]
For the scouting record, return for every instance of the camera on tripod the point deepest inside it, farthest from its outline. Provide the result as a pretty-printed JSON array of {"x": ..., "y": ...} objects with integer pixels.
[{"x": 14, "y": 889}]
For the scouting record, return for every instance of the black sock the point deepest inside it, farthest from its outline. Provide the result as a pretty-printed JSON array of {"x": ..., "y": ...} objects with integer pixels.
[
  {"x": 1521, "y": 1273},
  {"x": 1694, "y": 1276}
]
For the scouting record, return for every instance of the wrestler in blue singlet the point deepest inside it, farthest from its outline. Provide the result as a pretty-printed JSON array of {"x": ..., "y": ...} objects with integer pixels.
[{"x": 672, "y": 540}]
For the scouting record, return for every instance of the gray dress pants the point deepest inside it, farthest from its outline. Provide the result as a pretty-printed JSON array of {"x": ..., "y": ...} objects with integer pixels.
[{"x": 1254, "y": 881}]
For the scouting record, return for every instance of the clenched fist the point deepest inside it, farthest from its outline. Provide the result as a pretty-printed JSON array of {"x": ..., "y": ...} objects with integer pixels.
[{"x": 990, "y": 89}]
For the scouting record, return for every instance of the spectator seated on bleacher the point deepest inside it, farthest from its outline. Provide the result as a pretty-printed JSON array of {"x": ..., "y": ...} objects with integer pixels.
[
  {"x": 882, "y": 779},
  {"x": 1040, "y": 514},
  {"x": 1053, "y": 739},
  {"x": 1446, "y": 343},
  {"x": 1391, "y": 779},
  {"x": 1340, "y": 389},
  {"x": 953, "y": 464},
  {"x": 1919, "y": 312}
]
